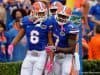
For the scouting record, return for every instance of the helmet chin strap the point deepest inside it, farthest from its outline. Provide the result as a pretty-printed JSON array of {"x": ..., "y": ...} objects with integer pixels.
[
  {"x": 60, "y": 23},
  {"x": 36, "y": 21}
]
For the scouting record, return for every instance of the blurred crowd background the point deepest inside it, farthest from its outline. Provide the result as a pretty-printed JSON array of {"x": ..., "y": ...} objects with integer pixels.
[{"x": 11, "y": 12}]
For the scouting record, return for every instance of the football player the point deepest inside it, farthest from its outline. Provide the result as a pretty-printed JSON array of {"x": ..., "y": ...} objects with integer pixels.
[
  {"x": 65, "y": 38},
  {"x": 36, "y": 30},
  {"x": 54, "y": 7},
  {"x": 76, "y": 19}
]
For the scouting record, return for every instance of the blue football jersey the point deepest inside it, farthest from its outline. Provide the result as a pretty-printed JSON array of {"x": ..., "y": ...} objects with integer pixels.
[
  {"x": 60, "y": 34},
  {"x": 95, "y": 11},
  {"x": 37, "y": 34}
]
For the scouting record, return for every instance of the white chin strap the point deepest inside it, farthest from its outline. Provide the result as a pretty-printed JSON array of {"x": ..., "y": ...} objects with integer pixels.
[{"x": 60, "y": 23}]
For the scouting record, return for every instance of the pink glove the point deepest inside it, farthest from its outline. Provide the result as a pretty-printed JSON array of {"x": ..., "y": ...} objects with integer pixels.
[
  {"x": 10, "y": 49},
  {"x": 49, "y": 48},
  {"x": 49, "y": 66}
]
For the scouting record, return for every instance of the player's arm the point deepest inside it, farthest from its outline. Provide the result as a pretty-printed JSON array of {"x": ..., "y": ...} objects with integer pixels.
[
  {"x": 15, "y": 41},
  {"x": 76, "y": 56},
  {"x": 50, "y": 38},
  {"x": 95, "y": 21},
  {"x": 50, "y": 43},
  {"x": 18, "y": 37},
  {"x": 50, "y": 52},
  {"x": 85, "y": 11},
  {"x": 72, "y": 45}
]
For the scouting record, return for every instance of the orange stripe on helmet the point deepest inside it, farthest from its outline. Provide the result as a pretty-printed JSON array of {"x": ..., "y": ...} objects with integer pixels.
[
  {"x": 39, "y": 6},
  {"x": 56, "y": 5},
  {"x": 65, "y": 11}
]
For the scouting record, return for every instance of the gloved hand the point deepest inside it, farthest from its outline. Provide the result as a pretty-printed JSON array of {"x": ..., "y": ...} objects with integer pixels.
[
  {"x": 50, "y": 49},
  {"x": 49, "y": 66},
  {"x": 50, "y": 52},
  {"x": 77, "y": 61},
  {"x": 10, "y": 49}
]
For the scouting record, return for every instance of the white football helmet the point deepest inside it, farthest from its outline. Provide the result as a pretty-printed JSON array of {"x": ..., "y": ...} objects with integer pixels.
[
  {"x": 62, "y": 15},
  {"x": 54, "y": 7},
  {"x": 40, "y": 11}
]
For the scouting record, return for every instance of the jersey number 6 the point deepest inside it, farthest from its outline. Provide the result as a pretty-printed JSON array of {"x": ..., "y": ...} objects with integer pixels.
[{"x": 34, "y": 37}]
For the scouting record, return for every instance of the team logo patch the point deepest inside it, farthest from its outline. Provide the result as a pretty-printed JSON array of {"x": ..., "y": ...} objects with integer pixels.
[
  {"x": 62, "y": 33},
  {"x": 43, "y": 26}
]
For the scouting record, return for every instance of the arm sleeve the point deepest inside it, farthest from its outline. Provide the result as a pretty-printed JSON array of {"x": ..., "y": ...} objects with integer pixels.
[
  {"x": 24, "y": 22},
  {"x": 49, "y": 25},
  {"x": 73, "y": 29}
]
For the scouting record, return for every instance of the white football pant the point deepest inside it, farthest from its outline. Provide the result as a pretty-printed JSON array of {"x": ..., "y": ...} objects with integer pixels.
[
  {"x": 63, "y": 64},
  {"x": 34, "y": 63}
]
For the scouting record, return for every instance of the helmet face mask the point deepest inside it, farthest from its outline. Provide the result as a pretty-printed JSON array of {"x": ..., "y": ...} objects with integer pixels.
[
  {"x": 53, "y": 11},
  {"x": 41, "y": 15},
  {"x": 62, "y": 15},
  {"x": 62, "y": 19},
  {"x": 54, "y": 7}
]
